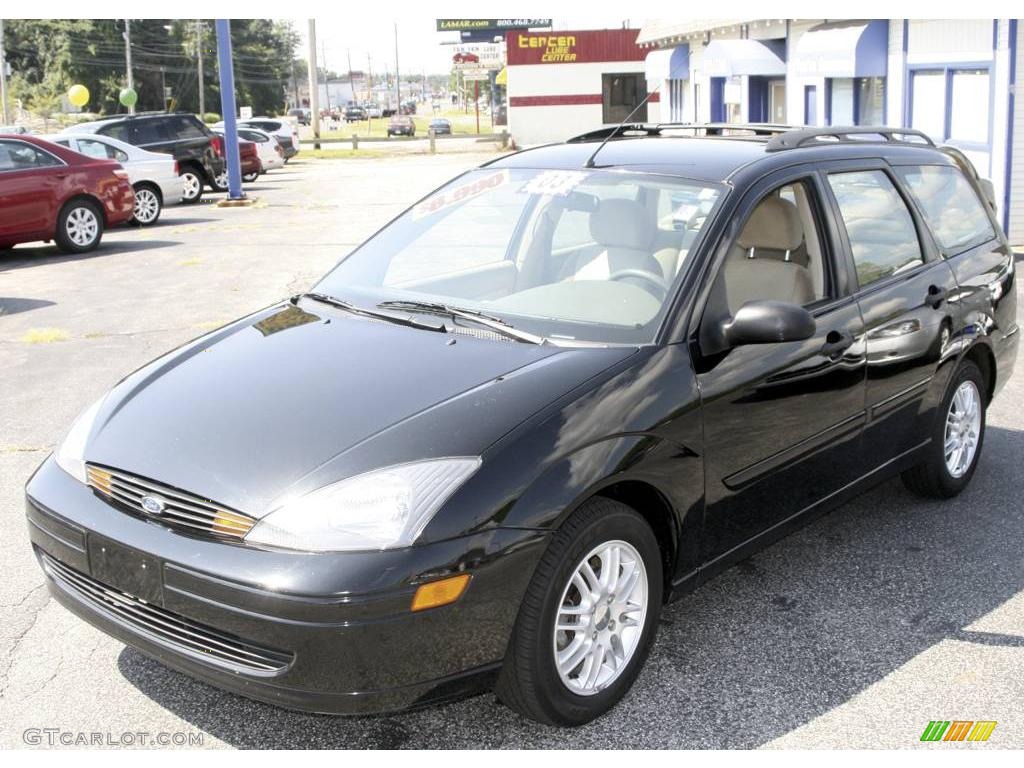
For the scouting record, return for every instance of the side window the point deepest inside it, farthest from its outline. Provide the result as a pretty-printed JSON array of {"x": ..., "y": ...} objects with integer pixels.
[
  {"x": 119, "y": 131},
  {"x": 150, "y": 132},
  {"x": 94, "y": 148},
  {"x": 880, "y": 228},
  {"x": 182, "y": 127},
  {"x": 950, "y": 205},
  {"x": 778, "y": 255},
  {"x": 21, "y": 156}
]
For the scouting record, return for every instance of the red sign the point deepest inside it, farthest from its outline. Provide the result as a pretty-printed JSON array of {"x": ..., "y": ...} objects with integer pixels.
[{"x": 567, "y": 47}]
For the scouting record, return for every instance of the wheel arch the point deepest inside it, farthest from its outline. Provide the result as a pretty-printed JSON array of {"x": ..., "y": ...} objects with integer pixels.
[
  {"x": 981, "y": 354},
  {"x": 151, "y": 185},
  {"x": 88, "y": 197}
]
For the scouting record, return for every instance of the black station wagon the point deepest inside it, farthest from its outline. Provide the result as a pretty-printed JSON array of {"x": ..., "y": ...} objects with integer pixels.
[{"x": 561, "y": 390}]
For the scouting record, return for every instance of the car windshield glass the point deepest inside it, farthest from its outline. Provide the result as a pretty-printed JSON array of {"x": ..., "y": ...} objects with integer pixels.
[{"x": 569, "y": 255}]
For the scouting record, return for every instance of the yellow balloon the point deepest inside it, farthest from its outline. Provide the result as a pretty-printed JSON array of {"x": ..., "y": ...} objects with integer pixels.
[{"x": 78, "y": 95}]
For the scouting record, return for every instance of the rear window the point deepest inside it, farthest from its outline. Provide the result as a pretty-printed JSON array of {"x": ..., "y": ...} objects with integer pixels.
[
  {"x": 119, "y": 130},
  {"x": 955, "y": 214}
]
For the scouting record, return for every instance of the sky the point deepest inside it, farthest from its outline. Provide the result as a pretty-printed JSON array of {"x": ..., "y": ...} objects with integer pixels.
[{"x": 420, "y": 46}]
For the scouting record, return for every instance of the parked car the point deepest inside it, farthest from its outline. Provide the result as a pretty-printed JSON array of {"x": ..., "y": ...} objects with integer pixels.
[
  {"x": 532, "y": 409},
  {"x": 401, "y": 125},
  {"x": 249, "y": 160},
  {"x": 48, "y": 192},
  {"x": 199, "y": 152},
  {"x": 14, "y": 129},
  {"x": 301, "y": 115},
  {"x": 155, "y": 176},
  {"x": 440, "y": 126},
  {"x": 374, "y": 110},
  {"x": 354, "y": 114},
  {"x": 269, "y": 149},
  {"x": 286, "y": 134}
]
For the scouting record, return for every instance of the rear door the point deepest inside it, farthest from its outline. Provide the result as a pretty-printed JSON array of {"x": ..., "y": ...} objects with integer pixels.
[
  {"x": 903, "y": 289},
  {"x": 30, "y": 185}
]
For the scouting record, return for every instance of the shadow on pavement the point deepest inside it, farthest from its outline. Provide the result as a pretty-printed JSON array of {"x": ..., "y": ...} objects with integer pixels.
[
  {"x": 775, "y": 642},
  {"x": 12, "y": 306},
  {"x": 39, "y": 255}
]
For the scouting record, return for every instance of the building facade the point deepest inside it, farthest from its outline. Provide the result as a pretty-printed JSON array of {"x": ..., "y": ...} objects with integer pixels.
[
  {"x": 956, "y": 80},
  {"x": 568, "y": 82}
]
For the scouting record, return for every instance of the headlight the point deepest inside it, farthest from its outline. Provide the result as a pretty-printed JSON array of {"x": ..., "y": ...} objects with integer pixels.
[
  {"x": 70, "y": 454},
  {"x": 383, "y": 509}
]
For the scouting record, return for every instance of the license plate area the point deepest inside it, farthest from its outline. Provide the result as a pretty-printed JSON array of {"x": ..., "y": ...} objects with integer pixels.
[{"x": 126, "y": 569}]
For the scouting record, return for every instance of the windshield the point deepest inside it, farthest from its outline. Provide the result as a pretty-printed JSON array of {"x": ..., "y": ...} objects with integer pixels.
[{"x": 569, "y": 255}]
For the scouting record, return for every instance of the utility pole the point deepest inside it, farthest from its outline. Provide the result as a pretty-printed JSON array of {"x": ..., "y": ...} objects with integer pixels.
[
  {"x": 351, "y": 82},
  {"x": 398, "y": 79},
  {"x": 314, "y": 84},
  {"x": 128, "y": 58},
  {"x": 327, "y": 77},
  {"x": 199, "y": 65},
  {"x": 369, "y": 79},
  {"x": 3, "y": 78}
]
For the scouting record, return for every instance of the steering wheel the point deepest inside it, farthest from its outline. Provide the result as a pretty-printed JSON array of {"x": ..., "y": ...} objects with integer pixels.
[{"x": 654, "y": 280}]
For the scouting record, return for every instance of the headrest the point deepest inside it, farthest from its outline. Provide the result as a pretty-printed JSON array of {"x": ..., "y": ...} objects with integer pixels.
[
  {"x": 621, "y": 224},
  {"x": 774, "y": 224}
]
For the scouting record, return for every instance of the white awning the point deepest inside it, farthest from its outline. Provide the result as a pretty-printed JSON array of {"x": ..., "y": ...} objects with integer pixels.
[
  {"x": 843, "y": 49},
  {"x": 727, "y": 58},
  {"x": 668, "y": 64}
]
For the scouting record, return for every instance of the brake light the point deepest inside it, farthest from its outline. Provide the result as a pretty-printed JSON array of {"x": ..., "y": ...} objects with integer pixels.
[
  {"x": 121, "y": 173},
  {"x": 177, "y": 168},
  {"x": 217, "y": 143}
]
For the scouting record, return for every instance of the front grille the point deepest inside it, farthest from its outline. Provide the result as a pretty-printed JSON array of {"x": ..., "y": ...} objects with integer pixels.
[
  {"x": 170, "y": 629},
  {"x": 177, "y": 509}
]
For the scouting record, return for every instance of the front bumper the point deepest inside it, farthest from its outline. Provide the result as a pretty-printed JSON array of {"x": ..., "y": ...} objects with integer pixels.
[{"x": 340, "y": 624}]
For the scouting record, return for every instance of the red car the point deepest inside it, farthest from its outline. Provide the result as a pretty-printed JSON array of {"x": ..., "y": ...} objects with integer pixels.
[
  {"x": 466, "y": 58},
  {"x": 248, "y": 160},
  {"x": 48, "y": 192}
]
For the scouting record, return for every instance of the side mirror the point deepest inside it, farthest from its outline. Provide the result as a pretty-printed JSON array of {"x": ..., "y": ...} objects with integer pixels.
[{"x": 768, "y": 322}]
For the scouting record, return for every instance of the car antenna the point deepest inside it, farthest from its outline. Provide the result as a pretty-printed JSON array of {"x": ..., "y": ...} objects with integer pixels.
[{"x": 614, "y": 132}]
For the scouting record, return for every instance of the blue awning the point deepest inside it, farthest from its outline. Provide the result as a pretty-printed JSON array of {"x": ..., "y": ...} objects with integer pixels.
[
  {"x": 727, "y": 58},
  {"x": 843, "y": 49},
  {"x": 668, "y": 64}
]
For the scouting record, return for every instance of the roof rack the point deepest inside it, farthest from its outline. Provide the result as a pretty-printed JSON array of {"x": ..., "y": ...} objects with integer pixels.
[
  {"x": 656, "y": 129},
  {"x": 806, "y": 137},
  {"x": 148, "y": 113}
]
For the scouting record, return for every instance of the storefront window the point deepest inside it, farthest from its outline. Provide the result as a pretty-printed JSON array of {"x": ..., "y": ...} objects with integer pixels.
[
  {"x": 871, "y": 101},
  {"x": 840, "y": 105},
  {"x": 620, "y": 95},
  {"x": 928, "y": 101},
  {"x": 970, "y": 91}
]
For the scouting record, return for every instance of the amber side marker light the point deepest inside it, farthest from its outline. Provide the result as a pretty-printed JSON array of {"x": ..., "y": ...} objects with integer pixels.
[{"x": 437, "y": 593}]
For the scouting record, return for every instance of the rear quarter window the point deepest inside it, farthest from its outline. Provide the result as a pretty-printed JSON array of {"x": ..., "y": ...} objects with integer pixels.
[
  {"x": 119, "y": 131},
  {"x": 951, "y": 208}
]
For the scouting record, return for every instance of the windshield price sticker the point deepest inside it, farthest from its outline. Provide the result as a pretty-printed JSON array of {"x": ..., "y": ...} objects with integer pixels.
[
  {"x": 450, "y": 197},
  {"x": 559, "y": 183}
]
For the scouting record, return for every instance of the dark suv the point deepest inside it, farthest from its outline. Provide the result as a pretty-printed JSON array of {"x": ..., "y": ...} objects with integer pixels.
[
  {"x": 198, "y": 150},
  {"x": 565, "y": 388}
]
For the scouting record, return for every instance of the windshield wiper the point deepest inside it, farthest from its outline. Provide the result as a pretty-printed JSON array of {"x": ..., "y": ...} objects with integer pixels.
[
  {"x": 355, "y": 310},
  {"x": 494, "y": 323}
]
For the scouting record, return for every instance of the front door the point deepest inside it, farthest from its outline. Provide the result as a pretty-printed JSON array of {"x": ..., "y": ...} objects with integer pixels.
[
  {"x": 780, "y": 419},
  {"x": 29, "y": 183},
  {"x": 810, "y": 105},
  {"x": 904, "y": 290},
  {"x": 777, "y": 102}
]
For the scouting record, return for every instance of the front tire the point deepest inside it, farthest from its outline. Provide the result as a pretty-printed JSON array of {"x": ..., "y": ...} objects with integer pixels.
[
  {"x": 952, "y": 455},
  {"x": 79, "y": 227},
  {"x": 588, "y": 619},
  {"x": 148, "y": 205}
]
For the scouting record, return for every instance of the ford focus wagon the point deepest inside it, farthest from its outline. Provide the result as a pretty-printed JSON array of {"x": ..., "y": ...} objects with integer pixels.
[{"x": 565, "y": 388}]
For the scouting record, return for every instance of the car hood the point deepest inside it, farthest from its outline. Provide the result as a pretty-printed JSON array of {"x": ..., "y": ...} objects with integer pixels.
[{"x": 290, "y": 399}]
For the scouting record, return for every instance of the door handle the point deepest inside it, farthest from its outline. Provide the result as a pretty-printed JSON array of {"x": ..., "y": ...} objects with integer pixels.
[
  {"x": 936, "y": 295},
  {"x": 836, "y": 342}
]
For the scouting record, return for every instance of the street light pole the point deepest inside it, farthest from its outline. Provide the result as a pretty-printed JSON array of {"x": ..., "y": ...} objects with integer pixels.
[
  {"x": 3, "y": 77},
  {"x": 398, "y": 79},
  {"x": 312, "y": 73},
  {"x": 199, "y": 66},
  {"x": 128, "y": 58}
]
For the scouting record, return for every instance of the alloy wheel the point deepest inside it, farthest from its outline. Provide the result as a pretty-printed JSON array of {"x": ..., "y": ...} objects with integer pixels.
[
  {"x": 963, "y": 428},
  {"x": 82, "y": 226},
  {"x": 147, "y": 205},
  {"x": 221, "y": 180},
  {"x": 191, "y": 186},
  {"x": 600, "y": 617}
]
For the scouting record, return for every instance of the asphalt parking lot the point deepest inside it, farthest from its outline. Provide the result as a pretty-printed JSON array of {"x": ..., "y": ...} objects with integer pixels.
[{"x": 854, "y": 632}]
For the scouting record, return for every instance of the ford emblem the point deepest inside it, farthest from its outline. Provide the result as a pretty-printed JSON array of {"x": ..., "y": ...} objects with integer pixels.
[{"x": 152, "y": 505}]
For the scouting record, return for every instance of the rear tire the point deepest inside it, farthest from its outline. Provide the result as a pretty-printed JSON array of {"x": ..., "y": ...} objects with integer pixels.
[
  {"x": 251, "y": 177},
  {"x": 148, "y": 205},
  {"x": 192, "y": 183},
  {"x": 541, "y": 677},
  {"x": 79, "y": 227},
  {"x": 959, "y": 426}
]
